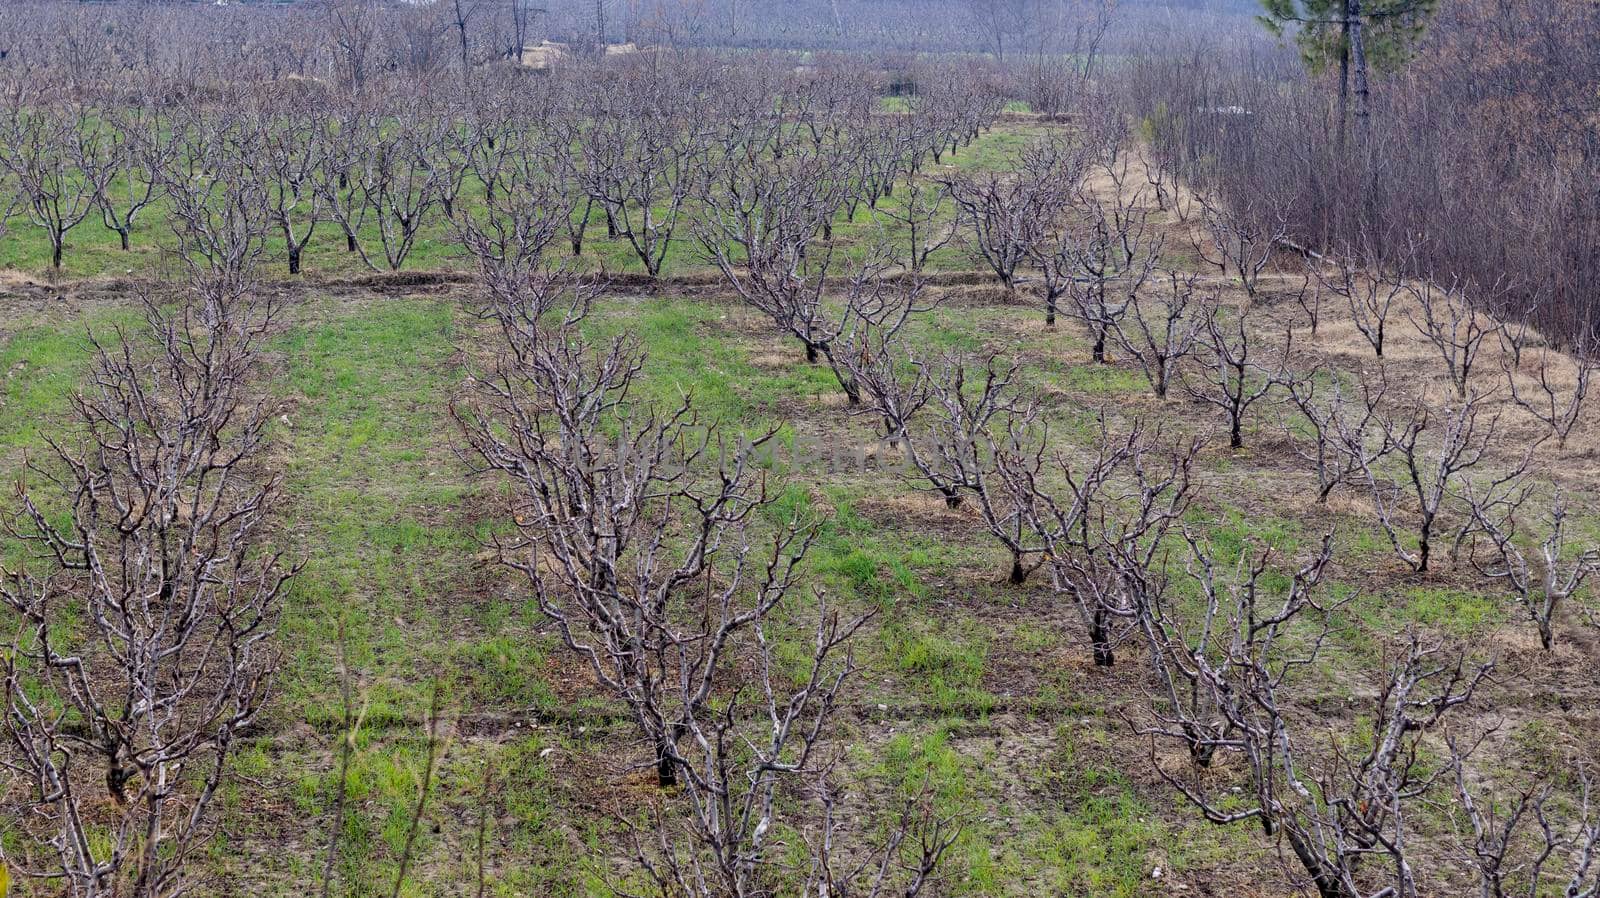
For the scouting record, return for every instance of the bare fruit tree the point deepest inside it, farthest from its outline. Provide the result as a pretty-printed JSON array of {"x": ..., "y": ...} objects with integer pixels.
[
  {"x": 59, "y": 159},
  {"x": 1542, "y": 584},
  {"x": 1368, "y": 293},
  {"x": 142, "y": 143},
  {"x": 981, "y": 443},
  {"x": 963, "y": 426},
  {"x": 921, "y": 217},
  {"x": 1160, "y": 333},
  {"x": 1511, "y": 842},
  {"x": 635, "y": 545},
  {"x": 1430, "y": 470},
  {"x": 1003, "y": 216},
  {"x": 1452, "y": 325},
  {"x": 1191, "y": 656},
  {"x": 1100, "y": 536},
  {"x": 1232, "y": 376},
  {"x": 1343, "y": 809},
  {"x": 770, "y": 734},
  {"x": 1558, "y": 399},
  {"x": 1344, "y": 430},
  {"x": 122, "y": 722},
  {"x": 1242, "y": 243},
  {"x": 764, "y": 232}
]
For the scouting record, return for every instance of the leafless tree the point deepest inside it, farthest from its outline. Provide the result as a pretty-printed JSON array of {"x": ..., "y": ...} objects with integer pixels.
[
  {"x": 1509, "y": 859},
  {"x": 396, "y": 185},
  {"x": 966, "y": 432},
  {"x": 58, "y": 160},
  {"x": 980, "y": 444},
  {"x": 1098, "y": 538},
  {"x": 214, "y": 207},
  {"x": 1163, "y": 332},
  {"x": 1309, "y": 299},
  {"x": 1104, "y": 251},
  {"x": 1344, "y": 429},
  {"x": 524, "y": 212},
  {"x": 1514, "y": 331},
  {"x": 966, "y": 405},
  {"x": 1540, "y": 584},
  {"x": 1004, "y": 215},
  {"x": 1428, "y": 473},
  {"x": 735, "y": 758},
  {"x": 1343, "y": 811},
  {"x": 1242, "y": 242},
  {"x": 164, "y": 565},
  {"x": 764, "y": 232},
  {"x": 1099, "y": 264},
  {"x": 1191, "y": 658},
  {"x": 1557, "y": 401},
  {"x": 284, "y": 152},
  {"x": 141, "y": 146},
  {"x": 353, "y": 26},
  {"x": 1232, "y": 378},
  {"x": 616, "y": 536},
  {"x": 1368, "y": 292},
  {"x": 643, "y": 153},
  {"x": 1452, "y": 325},
  {"x": 920, "y": 216}
]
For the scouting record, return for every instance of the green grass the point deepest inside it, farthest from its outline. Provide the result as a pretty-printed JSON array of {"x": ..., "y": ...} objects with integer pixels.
[{"x": 390, "y": 527}]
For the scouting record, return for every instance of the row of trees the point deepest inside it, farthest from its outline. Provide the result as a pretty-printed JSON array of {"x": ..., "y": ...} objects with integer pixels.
[
  {"x": 641, "y": 547},
  {"x": 636, "y": 144},
  {"x": 352, "y": 40},
  {"x": 634, "y": 525}
]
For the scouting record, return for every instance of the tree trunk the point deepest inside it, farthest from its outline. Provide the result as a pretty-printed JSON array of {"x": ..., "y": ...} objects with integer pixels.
[
  {"x": 1344, "y": 78},
  {"x": 666, "y": 770},
  {"x": 1100, "y": 639},
  {"x": 1326, "y": 881},
  {"x": 1019, "y": 574},
  {"x": 1358, "y": 61}
]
